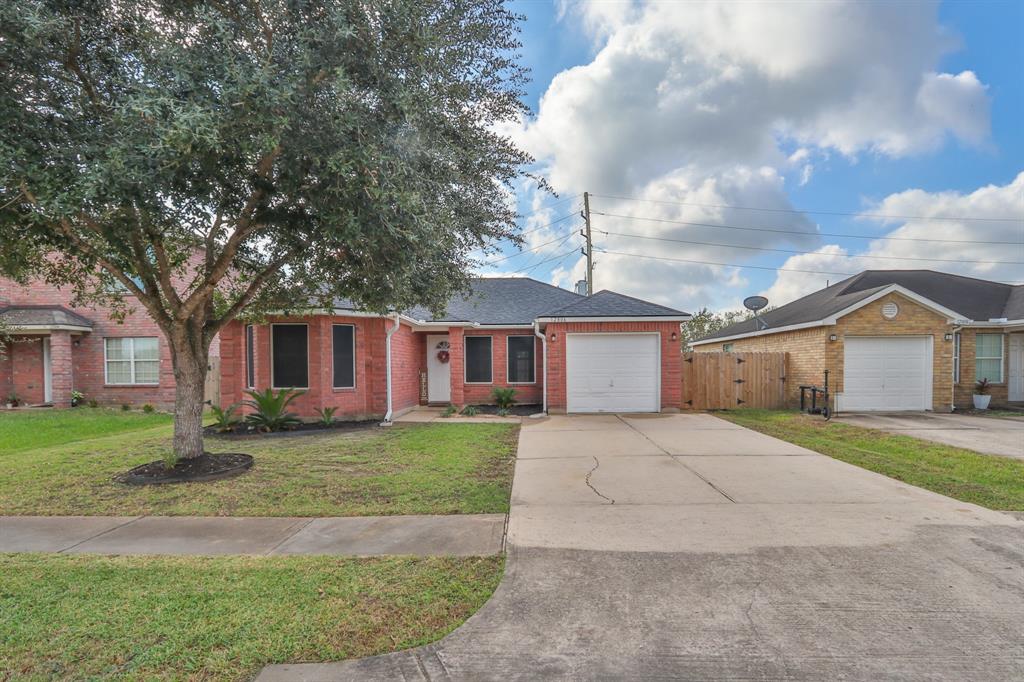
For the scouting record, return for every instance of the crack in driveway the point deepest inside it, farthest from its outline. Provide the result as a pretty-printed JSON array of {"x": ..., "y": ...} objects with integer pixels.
[{"x": 591, "y": 485}]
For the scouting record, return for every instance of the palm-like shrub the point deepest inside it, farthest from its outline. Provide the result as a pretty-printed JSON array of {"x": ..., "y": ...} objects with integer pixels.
[
  {"x": 224, "y": 419},
  {"x": 326, "y": 415},
  {"x": 504, "y": 398},
  {"x": 271, "y": 409}
]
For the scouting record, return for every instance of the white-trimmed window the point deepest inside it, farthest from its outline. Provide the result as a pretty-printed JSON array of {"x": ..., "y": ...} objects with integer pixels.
[
  {"x": 726, "y": 347},
  {"x": 521, "y": 359},
  {"x": 131, "y": 361},
  {"x": 289, "y": 355},
  {"x": 988, "y": 357},
  {"x": 250, "y": 356},
  {"x": 478, "y": 360},
  {"x": 956, "y": 357},
  {"x": 343, "y": 353}
]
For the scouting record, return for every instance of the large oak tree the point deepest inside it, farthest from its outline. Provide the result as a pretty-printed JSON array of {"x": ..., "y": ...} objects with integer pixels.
[{"x": 302, "y": 149}]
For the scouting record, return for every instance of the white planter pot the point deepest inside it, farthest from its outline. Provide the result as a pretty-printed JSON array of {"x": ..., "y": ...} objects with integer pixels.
[{"x": 981, "y": 401}]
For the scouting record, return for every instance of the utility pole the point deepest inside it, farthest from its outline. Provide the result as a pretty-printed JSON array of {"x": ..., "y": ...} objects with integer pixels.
[{"x": 590, "y": 244}]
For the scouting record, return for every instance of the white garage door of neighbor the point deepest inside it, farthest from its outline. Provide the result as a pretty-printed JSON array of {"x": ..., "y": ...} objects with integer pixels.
[
  {"x": 887, "y": 373},
  {"x": 613, "y": 372}
]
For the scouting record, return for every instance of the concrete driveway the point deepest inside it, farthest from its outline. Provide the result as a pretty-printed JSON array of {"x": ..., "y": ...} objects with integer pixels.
[
  {"x": 992, "y": 435},
  {"x": 684, "y": 547}
]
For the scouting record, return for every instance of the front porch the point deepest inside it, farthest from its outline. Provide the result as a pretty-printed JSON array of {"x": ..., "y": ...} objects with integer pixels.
[{"x": 37, "y": 365}]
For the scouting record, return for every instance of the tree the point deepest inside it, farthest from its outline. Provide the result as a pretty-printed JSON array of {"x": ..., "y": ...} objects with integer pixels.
[
  {"x": 706, "y": 322},
  {"x": 205, "y": 158}
]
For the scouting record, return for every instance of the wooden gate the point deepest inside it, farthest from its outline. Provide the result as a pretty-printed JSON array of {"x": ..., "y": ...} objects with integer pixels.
[
  {"x": 723, "y": 381},
  {"x": 211, "y": 392}
]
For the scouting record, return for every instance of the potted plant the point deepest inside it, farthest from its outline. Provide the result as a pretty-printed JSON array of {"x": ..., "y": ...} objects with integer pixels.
[
  {"x": 77, "y": 397},
  {"x": 981, "y": 396},
  {"x": 13, "y": 400}
]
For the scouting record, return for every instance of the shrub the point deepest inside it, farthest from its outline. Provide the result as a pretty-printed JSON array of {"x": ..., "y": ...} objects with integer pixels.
[
  {"x": 148, "y": 409},
  {"x": 224, "y": 419},
  {"x": 326, "y": 415},
  {"x": 468, "y": 411},
  {"x": 93, "y": 403},
  {"x": 125, "y": 407},
  {"x": 76, "y": 398},
  {"x": 271, "y": 409},
  {"x": 502, "y": 412},
  {"x": 981, "y": 386},
  {"x": 504, "y": 398},
  {"x": 449, "y": 411}
]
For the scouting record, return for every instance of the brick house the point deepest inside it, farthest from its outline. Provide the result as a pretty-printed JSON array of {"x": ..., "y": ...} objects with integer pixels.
[
  {"x": 895, "y": 340},
  {"x": 559, "y": 350},
  {"x": 58, "y": 348}
]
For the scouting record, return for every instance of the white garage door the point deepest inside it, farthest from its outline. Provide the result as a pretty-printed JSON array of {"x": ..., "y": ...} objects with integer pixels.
[
  {"x": 887, "y": 373},
  {"x": 613, "y": 372}
]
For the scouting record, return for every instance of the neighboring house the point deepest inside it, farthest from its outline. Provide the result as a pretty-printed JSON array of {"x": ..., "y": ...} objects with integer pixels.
[
  {"x": 58, "y": 348},
  {"x": 895, "y": 340},
  {"x": 559, "y": 350}
]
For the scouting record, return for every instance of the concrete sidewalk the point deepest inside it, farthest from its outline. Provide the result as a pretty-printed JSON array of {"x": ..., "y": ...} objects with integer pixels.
[{"x": 455, "y": 535}]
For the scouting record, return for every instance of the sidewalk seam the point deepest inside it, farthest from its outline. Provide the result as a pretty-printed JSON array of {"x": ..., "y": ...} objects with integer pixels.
[
  {"x": 101, "y": 534},
  {"x": 290, "y": 536}
]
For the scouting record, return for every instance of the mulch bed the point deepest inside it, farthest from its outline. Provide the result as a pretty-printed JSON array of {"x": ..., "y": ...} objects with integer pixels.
[
  {"x": 517, "y": 410},
  {"x": 243, "y": 431},
  {"x": 206, "y": 467}
]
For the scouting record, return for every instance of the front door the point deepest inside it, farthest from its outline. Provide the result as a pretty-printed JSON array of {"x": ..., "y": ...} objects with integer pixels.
[
  {"x": 47, "y": 372},
  {"x": 439, "y": 369},
  {"x": 1015, "y": 379}
]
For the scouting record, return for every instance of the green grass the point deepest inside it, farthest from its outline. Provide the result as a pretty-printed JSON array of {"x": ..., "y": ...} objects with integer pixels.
[
  {"x": 77, "y": 617},
  {"x": 404, "y": 469},
  {"x": 987, "y": 480},
  {"x": 25, "y": 430}
]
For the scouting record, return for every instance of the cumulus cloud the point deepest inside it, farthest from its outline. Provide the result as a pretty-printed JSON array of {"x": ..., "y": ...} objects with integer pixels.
[{"x": 992, "y": 248}]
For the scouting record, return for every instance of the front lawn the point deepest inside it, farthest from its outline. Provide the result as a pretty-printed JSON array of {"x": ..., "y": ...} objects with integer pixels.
[
  {"x": 40, "y": 428},
  {"x": 79, "y": 617},
  {"x": 404, "y": 469},
  {"x": 987, "y": 480}
]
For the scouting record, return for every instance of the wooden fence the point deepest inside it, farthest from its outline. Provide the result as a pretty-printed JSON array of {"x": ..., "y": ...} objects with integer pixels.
[
  {"x": 211, "y": 391},
  {"x": 717, "y": 381}
]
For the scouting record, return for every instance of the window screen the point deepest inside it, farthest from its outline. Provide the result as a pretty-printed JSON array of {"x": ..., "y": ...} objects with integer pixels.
[
  {"x": 250, "y": 356},
  {"x": 344, "y": 356},
  {"x": 988, "y": 357},
  {"x": 520, "y": 359},
  {"x": 291, "y": 355},
  {"x": 478, "y": 359}
]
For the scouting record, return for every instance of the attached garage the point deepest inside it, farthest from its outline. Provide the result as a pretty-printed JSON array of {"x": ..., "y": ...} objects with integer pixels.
[
  {"x": 886, "y": 373},
  {"x": 613, "y": 372}
]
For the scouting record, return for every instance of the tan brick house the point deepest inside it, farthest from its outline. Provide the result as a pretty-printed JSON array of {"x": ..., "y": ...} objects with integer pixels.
[{"x": 895, "y": 340}]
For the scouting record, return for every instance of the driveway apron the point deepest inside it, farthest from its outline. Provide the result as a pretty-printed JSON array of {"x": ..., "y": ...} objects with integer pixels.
[{"x": 685, "y": 547}]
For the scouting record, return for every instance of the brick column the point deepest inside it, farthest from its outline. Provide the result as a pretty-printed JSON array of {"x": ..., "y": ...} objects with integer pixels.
[
  {"x": 456, "y": 355},
  {"x": 61, "y": 368}
]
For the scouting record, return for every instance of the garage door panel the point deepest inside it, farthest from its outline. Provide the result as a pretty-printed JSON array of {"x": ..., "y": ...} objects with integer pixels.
[
  {"x": 612, "y": 372},
  {"x": 886, "y": 373}
]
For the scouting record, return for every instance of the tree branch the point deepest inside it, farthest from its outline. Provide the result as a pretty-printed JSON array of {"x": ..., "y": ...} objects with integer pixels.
[{"x": 251, "y": 291}]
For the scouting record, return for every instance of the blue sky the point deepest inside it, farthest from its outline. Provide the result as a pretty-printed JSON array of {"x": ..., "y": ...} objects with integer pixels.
[{"x": 899, "y": 109}]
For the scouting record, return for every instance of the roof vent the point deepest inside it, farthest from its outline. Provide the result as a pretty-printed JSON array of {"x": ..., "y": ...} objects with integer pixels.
[{"x": 890, "y": 310}]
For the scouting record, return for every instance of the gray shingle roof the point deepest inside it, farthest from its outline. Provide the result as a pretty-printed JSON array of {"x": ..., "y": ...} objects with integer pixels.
[
  {"x": 976, "y": 299},
  {"x": 610, "y": 304},
  {"x": 43, "y": 316}
]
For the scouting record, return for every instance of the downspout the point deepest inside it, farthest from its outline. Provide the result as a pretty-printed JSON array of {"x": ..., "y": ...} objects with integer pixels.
[
  {"x": 544, "y": 354},
  {"x": 387, "y": 354}
]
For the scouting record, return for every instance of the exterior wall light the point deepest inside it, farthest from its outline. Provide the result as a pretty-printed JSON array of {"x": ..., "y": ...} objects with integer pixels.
[
  {"x": 674, "y": 336},
  {"x": 553, "y": 335},
  {"x": 948, "y": 336},
  {"x": 833, "y": 338}
]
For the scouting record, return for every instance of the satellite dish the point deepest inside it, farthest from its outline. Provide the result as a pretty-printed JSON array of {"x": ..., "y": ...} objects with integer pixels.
[{"x": 755, "y": 303}]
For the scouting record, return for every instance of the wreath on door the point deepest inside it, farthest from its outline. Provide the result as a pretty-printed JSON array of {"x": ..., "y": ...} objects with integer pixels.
[{"x": 442, "y": 354}]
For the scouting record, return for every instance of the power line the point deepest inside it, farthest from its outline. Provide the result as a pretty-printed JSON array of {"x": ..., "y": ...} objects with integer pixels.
[
  {"x": 838, "y": 255},
  {"x": 798, "y": 211},
  {"x": 547, "y": 260},
  {"x": 553, "y": 222},
  {"x": 550, "y": 206},
  {"x": 804, "y": 233},
  {"x": 560, "y": 240},
  {"x": 533, "y": 262}
]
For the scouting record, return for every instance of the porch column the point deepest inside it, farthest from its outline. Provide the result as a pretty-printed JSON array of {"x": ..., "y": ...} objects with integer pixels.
[
  {"x": 61, "y": 370},
  {"x": 456, "y": 355}
]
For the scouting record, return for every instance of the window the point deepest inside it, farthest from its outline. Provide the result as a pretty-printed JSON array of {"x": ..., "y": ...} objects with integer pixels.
[
  {"x": 289, "y": 349},
  {"x": 344, "y": 344},
  {"x": 478, "y": 359},
  {"x": 988, "y": 357},
  {"x": 726, "y": 347},
  {"x": 250, "y": 356},
  {"x": 521, "y": 359},
  {"x": 132, "y": 361},
  {"x": 956, "y": 358}
]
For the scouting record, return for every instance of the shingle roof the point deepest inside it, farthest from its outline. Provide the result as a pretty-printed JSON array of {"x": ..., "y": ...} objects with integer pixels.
[
  {"x": 42, "y": 316},
  {"x": 975, "y": 299},
  {"x": 520, "y": 300},
  {"x": 610, "y": 304}
]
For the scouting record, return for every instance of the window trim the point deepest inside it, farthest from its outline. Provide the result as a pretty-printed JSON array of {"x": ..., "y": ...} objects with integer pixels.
[
  {"x": 465, "y": 360},
  {"x": 727, "y": 347},
  {"x": 956, "y": 357},
  {"x": 353, "y": 386},
  {"x": 250, "y": 356},
  {"x": 1001, "y": 358},
  {"x": 508, "y": 358},
  {"x": 131, "y": 362},
  {"x": 273, "y": 381}
]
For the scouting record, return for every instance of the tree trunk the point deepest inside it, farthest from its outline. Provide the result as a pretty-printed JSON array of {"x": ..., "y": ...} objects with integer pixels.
[{"x": 189, "y": 357}]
